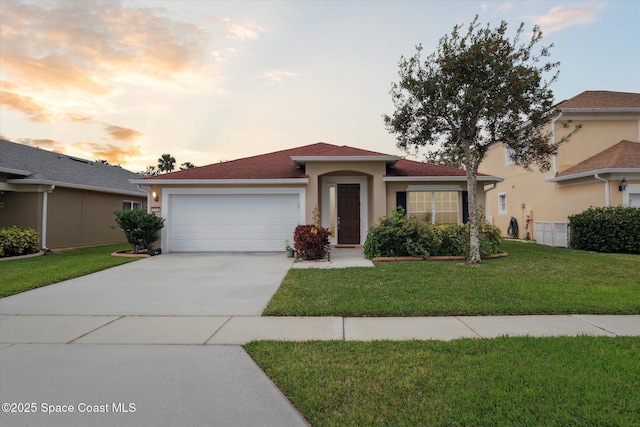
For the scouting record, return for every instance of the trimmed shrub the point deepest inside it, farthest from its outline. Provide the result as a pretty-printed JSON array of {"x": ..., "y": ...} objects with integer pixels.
[
  {"x": 398, "y": 235},
  {"x": 311, "y": 241},
  {"x": 454, "y": 241},
  {"x": 15, "y": 241},
  {"x": 140, "y": 228},
  {"x": 613, "y": 229}
]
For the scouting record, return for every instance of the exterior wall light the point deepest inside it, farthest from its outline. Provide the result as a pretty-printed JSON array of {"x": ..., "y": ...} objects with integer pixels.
[
  {"x": 155, "y": 195},
  {"x": 623, "y": 184}
]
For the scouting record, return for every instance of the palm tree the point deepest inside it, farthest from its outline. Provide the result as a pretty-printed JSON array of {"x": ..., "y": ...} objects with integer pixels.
[
  {"x": 166, "y": 163},
  {"x": 187, "y": 165}
]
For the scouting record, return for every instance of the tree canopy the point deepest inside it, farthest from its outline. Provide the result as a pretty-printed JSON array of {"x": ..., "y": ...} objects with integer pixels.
[
  {"x": 166, "y": 163},
  {"x": 479, "y": 87}
]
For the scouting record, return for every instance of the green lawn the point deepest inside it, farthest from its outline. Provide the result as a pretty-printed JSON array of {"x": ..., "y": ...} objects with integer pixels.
[
  {"x": 19, "y": 275},
  {"x": 533, "y": 279},
  {"x": 500, "y": 382}
]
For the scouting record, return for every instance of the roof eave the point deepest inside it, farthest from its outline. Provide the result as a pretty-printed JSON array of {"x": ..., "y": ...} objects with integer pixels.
[
  {"x": 484, "y": 178},
  {"x": 600, "y": 110},
  {"x": 76, "y": 186},
  {"x": 591, "y": 173},
  {"x": 273, "y": 181}
]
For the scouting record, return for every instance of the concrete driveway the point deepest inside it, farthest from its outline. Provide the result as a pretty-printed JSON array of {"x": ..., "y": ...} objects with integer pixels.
[
  {"x": 232, "y": 284},
  {"x": 53, "y": 374}
]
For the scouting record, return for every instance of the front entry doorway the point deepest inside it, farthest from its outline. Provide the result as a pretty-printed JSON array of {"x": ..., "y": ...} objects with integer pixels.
[{"x": 348, "y": 214}]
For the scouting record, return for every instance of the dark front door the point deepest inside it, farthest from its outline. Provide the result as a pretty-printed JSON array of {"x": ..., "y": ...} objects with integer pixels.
[{"x": 349, "y": 214}]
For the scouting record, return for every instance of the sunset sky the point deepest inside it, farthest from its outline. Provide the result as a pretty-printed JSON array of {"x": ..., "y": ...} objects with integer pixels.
[{"x": 127, "y": 81}]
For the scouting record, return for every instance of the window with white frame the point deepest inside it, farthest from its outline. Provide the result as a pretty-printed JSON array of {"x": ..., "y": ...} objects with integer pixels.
[
  {"x": 127, "y": 205},
  {"x": 502, "y": 203},
  {"x": 509, "y": 155},
  {"x": 437, "y": 207}
]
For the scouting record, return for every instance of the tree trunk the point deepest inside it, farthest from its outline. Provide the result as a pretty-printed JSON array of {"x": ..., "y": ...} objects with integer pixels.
[{"x": 474, "y": 240}]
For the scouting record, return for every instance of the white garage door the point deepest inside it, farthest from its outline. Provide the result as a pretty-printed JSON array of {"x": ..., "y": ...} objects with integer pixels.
[{"x": 232, "y": 222}]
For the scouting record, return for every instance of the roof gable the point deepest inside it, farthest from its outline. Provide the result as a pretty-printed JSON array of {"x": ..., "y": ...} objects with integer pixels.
[
  {"x": 602, "y": 100},
  {"x": 30, "y": 165},
  {"x": 623, "y": 155}
]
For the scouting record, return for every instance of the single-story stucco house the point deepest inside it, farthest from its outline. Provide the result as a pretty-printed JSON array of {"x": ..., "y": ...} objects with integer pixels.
[
  {"x": 69, "y": 201},
  {"x": 255, "y": 203}
]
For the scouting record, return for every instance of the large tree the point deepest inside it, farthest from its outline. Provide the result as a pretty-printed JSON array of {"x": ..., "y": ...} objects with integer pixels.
[
  {"x": 478, "y": 88},
  {"x": 166, "y": 163}
]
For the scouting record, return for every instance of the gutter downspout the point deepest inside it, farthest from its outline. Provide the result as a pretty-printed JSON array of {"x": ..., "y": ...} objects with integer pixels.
[
  {"x": 45, "y": 208},
  {"x": 606, "y": 189},
  {"x": 495, "y": 184},
  {"x": 553, "y": 136}
]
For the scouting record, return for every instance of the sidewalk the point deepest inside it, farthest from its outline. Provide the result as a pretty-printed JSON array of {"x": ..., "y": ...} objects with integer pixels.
[{"x": 238, "y": 330}]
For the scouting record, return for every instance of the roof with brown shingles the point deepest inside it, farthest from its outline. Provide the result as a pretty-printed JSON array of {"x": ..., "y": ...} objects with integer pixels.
[
  {"x": 279, "y": 165},
  {"x": 623, "y": 155},
  {"x": 602, "y": 99}
]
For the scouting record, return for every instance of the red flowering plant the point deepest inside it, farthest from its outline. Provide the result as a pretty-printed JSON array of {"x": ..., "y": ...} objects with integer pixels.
[{"x": 311, "y": 241}]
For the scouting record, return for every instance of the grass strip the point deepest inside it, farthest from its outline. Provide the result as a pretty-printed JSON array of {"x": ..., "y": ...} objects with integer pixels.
[
  {"x": 505, "y": 381},
  {"x": 19, "y": 275},
  {"x": 533, "y": 279}
]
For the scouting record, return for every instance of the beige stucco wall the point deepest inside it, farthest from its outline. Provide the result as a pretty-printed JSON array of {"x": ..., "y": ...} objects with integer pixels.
[
  {"x": 21, "y": 210},
  {"x": 74, "y": 217},
  {"x": 375, "y": 185},
  {"x": 548, "y": 201},
  {"x": 592, "y": 138},
  {"x": 84, "y": 218}
]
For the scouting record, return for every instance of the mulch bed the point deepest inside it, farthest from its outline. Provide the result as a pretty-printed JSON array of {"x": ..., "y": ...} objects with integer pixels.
[{"x": 434, "y": 258}]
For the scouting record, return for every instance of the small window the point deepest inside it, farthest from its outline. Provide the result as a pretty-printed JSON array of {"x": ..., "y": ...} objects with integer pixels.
[
  {"x": 502, "y": 203},
  {"x": 509, "y": 155},
  {"x": 128, "y": 205},
  {"x": 332, "y": 210}
]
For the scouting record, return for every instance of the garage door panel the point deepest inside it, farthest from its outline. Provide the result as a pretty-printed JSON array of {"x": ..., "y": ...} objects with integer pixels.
[{"x": 232, "y": 222}]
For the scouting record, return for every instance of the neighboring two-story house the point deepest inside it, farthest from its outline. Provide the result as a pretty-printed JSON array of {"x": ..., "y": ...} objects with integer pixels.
[{"x": 599, "y": 166}]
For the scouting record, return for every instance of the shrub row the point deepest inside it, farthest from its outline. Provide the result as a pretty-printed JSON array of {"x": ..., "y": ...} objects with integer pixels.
[
  {"x": 15, "y": 241},
  {"x": 398, "y": 235},
  {"x": 613, "y": 229},
  {"x": 311, "y": 241}
]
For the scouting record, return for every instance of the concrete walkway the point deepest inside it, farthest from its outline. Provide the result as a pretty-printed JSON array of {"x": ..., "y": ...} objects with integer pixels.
[{"x": 345, "y": 257}]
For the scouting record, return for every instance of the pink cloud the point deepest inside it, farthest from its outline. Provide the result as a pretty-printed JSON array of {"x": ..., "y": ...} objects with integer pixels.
[
  {"x": 114, "y": 154},
  {"x": 24, "y": 104},
  {"x": 122, "y": 134},
  {"x": 62, "y": 59},
  {"x": 561, "y": 17}
]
